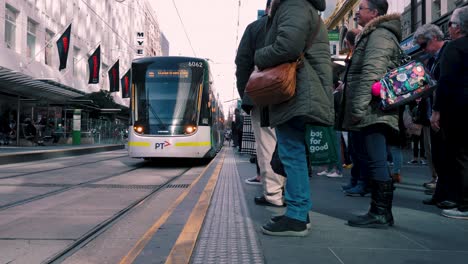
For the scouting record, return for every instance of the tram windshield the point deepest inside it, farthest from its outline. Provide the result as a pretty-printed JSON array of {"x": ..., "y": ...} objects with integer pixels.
[{"x": 168, "y": 100}]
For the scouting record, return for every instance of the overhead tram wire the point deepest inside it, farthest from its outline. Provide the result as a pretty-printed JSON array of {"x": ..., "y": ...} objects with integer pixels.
[
  {"x": 237, "y": 43},
  {"x": 238, "y": 24},
  {"x": 183, "y": 26}
]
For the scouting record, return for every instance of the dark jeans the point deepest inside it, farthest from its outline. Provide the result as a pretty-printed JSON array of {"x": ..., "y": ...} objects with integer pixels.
[
  {"x": 358, "y": 171},
  {"x": 346, "y": 155},
  {"x": 370, "y": 147},
  {"x": 418, "y": 146},
  {"x": 446, "y": 183},
  {"x": 457, "y": 157}
]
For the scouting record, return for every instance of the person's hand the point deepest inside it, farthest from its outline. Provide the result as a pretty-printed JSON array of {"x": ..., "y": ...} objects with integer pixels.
[{"x": 435, "y": 120}]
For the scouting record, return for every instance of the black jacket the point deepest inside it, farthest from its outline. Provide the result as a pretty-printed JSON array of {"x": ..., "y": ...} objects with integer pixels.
[
  {"x": 252, "y": 39},
  {"x": 434, "y": 66},
  {"x": 452, "y": 93}
]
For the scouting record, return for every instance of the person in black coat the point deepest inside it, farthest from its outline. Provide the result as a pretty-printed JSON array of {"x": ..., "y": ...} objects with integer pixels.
[
  {"x": 451, "y": 106},
  {"x": 431, "y": 40}
]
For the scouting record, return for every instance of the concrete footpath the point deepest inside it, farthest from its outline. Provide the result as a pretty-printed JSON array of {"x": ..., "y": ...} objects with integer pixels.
[
  {"x": 420, "y": 234},
  {"x": 12, "y": 154}
]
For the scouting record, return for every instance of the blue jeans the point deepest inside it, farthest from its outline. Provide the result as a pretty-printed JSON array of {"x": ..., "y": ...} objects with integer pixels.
[
  {"x": 397, "y": 158},
  {"x": 292, "y": 152},
  {"x": 370, "y": 147}
]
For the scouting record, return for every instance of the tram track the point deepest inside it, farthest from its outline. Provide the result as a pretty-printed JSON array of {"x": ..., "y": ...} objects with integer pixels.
[
  {"x": 106, "y": 224},
  {"x": 61, "y": 168},
  {"x": 64, "y": 189}
]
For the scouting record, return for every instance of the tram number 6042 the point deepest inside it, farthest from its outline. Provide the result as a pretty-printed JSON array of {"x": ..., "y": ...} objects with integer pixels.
[{"x": 195, "y": 64}]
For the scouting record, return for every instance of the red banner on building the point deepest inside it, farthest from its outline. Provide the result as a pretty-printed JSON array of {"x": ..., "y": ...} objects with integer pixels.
[
  {"x": 63, "y": 45},
  {"x": 114, "y": 77},
  {"x": 94, "y": 65},
  {"x": 125, "y": 82}
]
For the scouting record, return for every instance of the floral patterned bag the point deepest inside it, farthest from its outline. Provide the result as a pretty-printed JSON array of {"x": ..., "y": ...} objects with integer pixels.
[{"x": 405, "y": 84}]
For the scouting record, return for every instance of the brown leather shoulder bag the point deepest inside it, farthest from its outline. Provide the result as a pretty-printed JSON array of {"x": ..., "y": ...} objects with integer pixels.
[{"x": 276, "y": 84}]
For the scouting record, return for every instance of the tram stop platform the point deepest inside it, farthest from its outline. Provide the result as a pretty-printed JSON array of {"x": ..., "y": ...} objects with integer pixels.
[
  {"x": 231, "y": 230},
  {"x": 13, "y": 154}
]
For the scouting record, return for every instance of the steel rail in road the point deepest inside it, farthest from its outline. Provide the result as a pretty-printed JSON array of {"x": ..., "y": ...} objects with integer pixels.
[
  {"x": 64, "y": 189},
  {"x": 106, "y": 224},
  {"x": 64, "y": 167}
]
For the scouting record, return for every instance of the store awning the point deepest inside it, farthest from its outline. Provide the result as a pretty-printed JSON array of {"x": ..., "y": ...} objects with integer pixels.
[
  {"x": 20, "y": 84},
  {"x": 342, "y": 8}
]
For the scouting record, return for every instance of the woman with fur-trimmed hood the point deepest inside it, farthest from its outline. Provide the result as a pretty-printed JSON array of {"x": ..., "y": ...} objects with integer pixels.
[{"x": 376, "y": 52}]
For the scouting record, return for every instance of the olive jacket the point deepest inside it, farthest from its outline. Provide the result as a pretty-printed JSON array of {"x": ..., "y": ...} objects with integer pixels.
[
  {"x": 290, "y": 25},
  {"x": 376, "y": 52}
]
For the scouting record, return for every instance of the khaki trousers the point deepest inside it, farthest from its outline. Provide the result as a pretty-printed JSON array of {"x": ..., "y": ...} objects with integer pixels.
[{"x": 265, "y": 142}]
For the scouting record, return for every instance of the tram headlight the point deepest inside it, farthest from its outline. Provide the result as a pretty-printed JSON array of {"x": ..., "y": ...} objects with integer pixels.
[
  {"x": 138, "y": 129},
  {"x": 190, "y": 129}
]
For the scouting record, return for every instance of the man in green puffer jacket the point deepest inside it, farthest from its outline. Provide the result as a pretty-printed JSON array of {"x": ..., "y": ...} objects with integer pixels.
[
  {"x": 291, "y": 25},
  {"x": 376, "y": 52}
]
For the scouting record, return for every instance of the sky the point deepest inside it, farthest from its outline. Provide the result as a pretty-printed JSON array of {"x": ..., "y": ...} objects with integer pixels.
[
  {"x": 214, "y": 32},
  {"x": 211, "y": 26}
]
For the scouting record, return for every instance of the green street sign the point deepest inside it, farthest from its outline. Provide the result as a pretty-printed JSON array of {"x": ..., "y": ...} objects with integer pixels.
[{"x": 333, "y": 36}]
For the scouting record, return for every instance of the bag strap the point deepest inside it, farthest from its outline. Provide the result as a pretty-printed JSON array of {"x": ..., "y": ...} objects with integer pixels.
[
  {"x": 404, "y": 58},
  {"x": 310, "y": 40},
  {"x": 312, "y": 37}
]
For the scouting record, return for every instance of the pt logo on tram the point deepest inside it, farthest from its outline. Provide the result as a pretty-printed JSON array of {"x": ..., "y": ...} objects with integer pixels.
[{"x": 162, "y": 145}]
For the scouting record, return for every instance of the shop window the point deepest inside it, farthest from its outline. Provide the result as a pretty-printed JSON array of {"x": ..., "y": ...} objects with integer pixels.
[
  {"x": 31, "y": 39},
  {"x": 76, "y": 54},
  {"x": 49, "y": 35},
  {"x": 435, "y": 10},
  {"x": 451, "y": 5},
  {"x": 10, "y": 27}
]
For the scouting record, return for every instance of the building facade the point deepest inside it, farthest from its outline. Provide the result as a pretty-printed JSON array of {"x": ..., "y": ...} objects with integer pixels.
[
  {"x": 31, "y": 85},
  {"x": 414, "y": 13}
]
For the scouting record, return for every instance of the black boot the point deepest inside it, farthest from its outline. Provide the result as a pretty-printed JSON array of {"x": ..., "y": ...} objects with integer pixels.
[{"x": 380, "y": 212}]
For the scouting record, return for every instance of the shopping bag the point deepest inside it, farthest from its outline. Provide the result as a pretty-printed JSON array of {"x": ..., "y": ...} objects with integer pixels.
[{"x": 321, "y": 145}]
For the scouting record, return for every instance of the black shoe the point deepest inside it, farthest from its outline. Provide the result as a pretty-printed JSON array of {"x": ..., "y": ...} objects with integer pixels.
[
  {"x": 447, "y": 205},
  {"x": 286, "y": 226},
  {"x": 371, "y": 220},
  {"x": 429, "y": 201},
  {"x": 275, "y": 219},
  {"x": 429, "y": 192},
  {"x": 380, "y": 212},
  {"x": 260, "y": 200}
]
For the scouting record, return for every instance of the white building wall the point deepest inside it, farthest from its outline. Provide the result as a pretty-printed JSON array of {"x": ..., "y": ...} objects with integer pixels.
[{"x": 109, "y": 23}]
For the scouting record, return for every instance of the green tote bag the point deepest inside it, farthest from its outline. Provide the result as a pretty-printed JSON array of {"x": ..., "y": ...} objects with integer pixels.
[{"x": 321, "y": 144}]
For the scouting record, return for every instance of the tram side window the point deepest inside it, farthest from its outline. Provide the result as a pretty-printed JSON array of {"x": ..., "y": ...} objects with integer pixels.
[{"x": 205, "y": 111}]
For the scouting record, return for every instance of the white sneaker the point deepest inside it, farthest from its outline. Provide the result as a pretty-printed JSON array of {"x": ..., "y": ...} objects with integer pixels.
[
  {"x": 334, "y": 175},
  {"x": 455, "y": 213},
  {"x": 325, "y": 172},
  {"x": 253, "y": 181}
]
